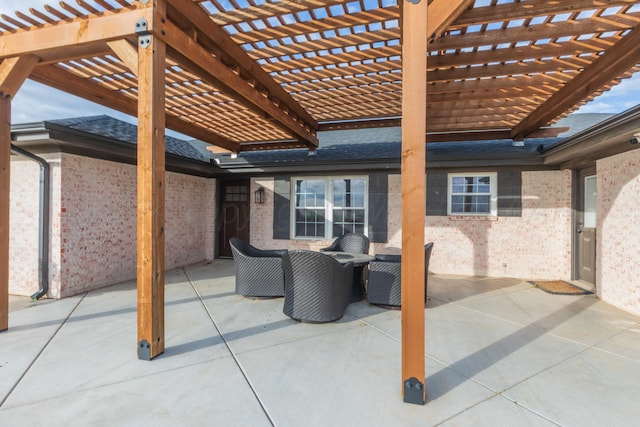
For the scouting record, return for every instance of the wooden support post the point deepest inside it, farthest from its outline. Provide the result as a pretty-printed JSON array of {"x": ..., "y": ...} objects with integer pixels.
[
  {"x": 13, "y": 72},
  {"x": 5, "y": 179},
  {"x": 414, "y": 113},
  {"x": 151, "y": 192}
]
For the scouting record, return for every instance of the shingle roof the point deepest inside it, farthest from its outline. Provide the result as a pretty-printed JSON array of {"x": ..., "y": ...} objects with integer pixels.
[
  {"x": 119, "y": 130},
  {"x": 362, "y": 145},
  {"x": 380, "y": 144}
]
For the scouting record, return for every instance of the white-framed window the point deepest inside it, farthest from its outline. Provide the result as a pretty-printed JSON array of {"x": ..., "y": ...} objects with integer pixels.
[
  {"x": 328, "y": 207},
  {"x": 472, "y": 193}
]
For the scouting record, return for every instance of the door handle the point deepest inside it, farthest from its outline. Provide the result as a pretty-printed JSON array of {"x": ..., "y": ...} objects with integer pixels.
[{"x": 578, "y": 230}]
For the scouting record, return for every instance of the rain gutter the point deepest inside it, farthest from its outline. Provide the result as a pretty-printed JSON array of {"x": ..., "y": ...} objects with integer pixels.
[{"x": 43, "y": 228}]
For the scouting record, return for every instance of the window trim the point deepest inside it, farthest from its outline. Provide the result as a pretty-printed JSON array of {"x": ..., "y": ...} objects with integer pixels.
[
  {"x": 493, "y": 189},
  {"x": 328, "y": 205}
]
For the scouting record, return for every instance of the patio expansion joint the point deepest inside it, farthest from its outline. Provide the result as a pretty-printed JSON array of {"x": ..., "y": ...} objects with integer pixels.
[
  {"x": 231, "y": 352},
  {"x": 452, "y": 417},
  {"x": 375, "y": 328},
  {"x": 44, "y": 347},
  {"x": 547, "y": 332},
  {"x": 624, "y": 356},
  {"x": 560, "y": 337},
  {"x": 461, "y": 302},
  {"x": 495, "y": 393}
]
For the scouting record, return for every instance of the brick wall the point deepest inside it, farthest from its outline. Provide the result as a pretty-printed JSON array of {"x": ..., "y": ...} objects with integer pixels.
[
  {"x": 94, "y": 228},
  {"x": 536, "y": 245},
  {"x": 618, "y": 240}
]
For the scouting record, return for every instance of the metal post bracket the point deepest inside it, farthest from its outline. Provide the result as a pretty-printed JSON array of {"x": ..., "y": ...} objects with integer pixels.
[
  {"x": 144, "y": 35},
  {"x": 144, "y": 350},
  {"x": 413, "y": 391}
]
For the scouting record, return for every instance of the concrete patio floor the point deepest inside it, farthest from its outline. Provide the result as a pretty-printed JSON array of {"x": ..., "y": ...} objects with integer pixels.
[{"x": 499, "y": 353}]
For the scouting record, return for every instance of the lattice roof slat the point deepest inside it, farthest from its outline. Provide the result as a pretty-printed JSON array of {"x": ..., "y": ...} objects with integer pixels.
[
  {"x": 267, "y": 10},
  {"x": 531, "y": 9},
  {"x": 318, "y": 26},
  {"x": 355, "y": 41}
]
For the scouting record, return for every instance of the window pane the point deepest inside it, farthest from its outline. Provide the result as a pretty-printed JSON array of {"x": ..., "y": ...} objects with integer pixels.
[
  {"x": 590, "y": 201},
  {"x": 470, "y": 194},
  {"x": 484, "y": 184},
  {"x": 483, "y": 204},
  {"x": 457, "y": 204},
  {"x": 347, "y": 198},
  {"x": 357, "y": 200},
  {"x": 357, "y": 186}
]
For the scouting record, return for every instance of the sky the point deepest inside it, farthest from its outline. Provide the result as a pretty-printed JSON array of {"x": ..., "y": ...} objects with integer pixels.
[{"x": 35, "y": 102}]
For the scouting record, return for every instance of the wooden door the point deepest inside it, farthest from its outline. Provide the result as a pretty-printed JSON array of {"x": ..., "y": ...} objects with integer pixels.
[
  {"x": 585, "y": 227},
  {"x": 234, "y": 214}
]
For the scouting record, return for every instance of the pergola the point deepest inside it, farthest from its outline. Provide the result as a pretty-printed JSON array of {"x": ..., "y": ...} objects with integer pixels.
[{"x": 269, "y": 74}]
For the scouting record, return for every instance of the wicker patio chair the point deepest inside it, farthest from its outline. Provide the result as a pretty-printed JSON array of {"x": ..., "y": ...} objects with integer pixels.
[
  {"x": 317, "y": 287},
  {"x": 258, "y": 272},
  {"x": 384, "y": 279},
  {"x": 351, "y": 242}
]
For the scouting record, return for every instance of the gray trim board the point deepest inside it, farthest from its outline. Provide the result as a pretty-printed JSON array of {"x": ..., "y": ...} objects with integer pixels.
[
  {"x": 378, "y": 207},
  {"x": 282, "y": 207}
]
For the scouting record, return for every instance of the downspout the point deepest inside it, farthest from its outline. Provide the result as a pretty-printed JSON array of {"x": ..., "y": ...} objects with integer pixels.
[{"x": 43, "y": 229}]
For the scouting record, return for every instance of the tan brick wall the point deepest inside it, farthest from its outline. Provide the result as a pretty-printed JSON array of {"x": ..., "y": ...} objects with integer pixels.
[
  {"x": 536, "y": 245},
  {"x": 94, "y": 228},
  {"x": 618, "y": 236}
]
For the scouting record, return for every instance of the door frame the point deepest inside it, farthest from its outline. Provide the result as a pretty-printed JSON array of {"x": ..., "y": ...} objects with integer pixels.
[{"x": 577, "y": 201}]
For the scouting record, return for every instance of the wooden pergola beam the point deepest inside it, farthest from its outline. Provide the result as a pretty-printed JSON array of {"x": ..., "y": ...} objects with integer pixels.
[
  {"x": 126, "y": 52},
  {"x": 210, "y": 33},
  {"x": 13, "y": 72},
  {"x": 58, "y": 78},
  {"x": 196, "y": 58},
  {"x": 151, "y": 192},
  {"x": 58, "y": 40},
  {"x": 486, "y": 135},
  {"x": 614, "y": 62},
  {"x": 442, "y": 13}
]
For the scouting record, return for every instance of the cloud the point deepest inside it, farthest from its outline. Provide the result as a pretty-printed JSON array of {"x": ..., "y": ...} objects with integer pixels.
[
  {"x": 35, "y": 102},
  {"x": 620, "y": 98}
]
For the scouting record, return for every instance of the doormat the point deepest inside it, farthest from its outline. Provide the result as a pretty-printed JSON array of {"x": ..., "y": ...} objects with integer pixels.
[{"x": 560, "y": 287}]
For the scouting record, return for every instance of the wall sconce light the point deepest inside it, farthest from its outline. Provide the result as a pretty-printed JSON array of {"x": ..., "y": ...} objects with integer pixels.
[{"x": 259, "y": 196}]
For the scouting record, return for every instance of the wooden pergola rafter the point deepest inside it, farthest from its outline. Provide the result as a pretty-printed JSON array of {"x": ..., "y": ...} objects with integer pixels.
[{"x": 268, "y": 75}]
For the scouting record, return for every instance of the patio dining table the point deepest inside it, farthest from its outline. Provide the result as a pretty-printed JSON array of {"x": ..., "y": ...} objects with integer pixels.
[{"x": 359, "y": 263}]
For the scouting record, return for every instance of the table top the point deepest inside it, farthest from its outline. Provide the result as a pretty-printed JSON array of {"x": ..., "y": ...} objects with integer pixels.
[{"x": 345, "y": 257}]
